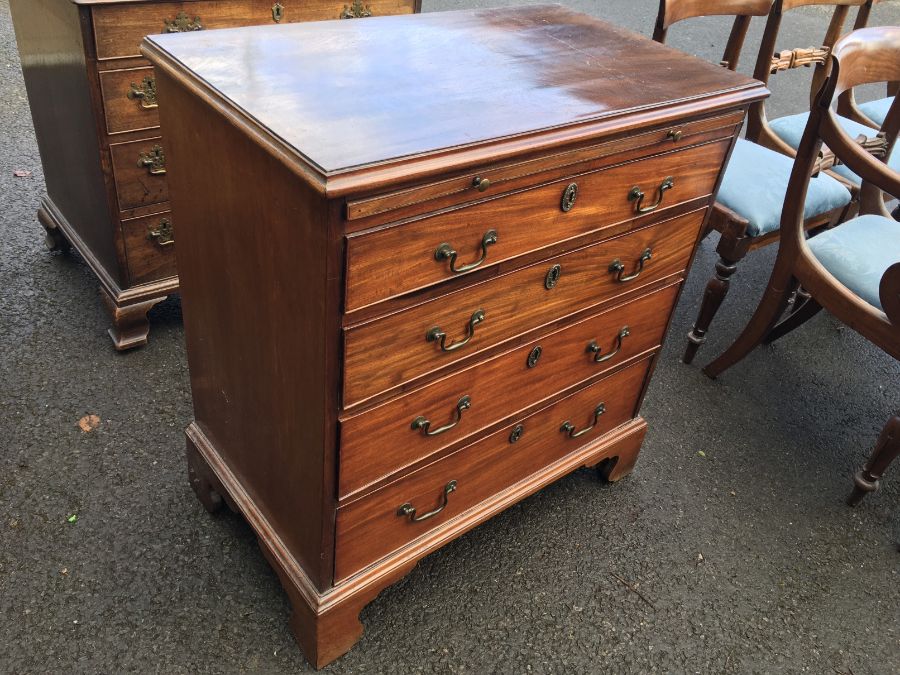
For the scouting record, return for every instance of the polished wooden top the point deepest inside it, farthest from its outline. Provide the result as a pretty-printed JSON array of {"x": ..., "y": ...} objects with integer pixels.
[{"x": 347, "y": 94}]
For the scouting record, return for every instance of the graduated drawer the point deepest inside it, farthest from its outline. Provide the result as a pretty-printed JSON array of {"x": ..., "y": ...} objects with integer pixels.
[
  {"x": 376, "y": 525},
  {"x": 390, "y": 437},
  {"x": 129, "y": 99},
  {"x": 394, "y": 260},
  {"x": 392, "y": 350},
  {"x": 150, "y": 247},
  {"x": 139, "y": 169},
  {"x": 119, "y": 28}
]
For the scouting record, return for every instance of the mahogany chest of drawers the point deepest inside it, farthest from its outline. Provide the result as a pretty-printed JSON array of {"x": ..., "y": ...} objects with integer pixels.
[
  {"x": 426, "y": 276},
  {"x": 95, "y": 105}
]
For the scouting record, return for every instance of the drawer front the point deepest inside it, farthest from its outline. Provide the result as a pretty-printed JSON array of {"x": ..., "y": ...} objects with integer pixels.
[
  {"x": 374, "y": 526},
  {"x": 434, "y": 249},
  {"x": 409, "y": 427},
  {"x": 140, "y": 173},
  {"x": 387, "y": 352},
  {"x": 150, "y": 247},
  {"x": 119, "y": 29},
  {"x": 129, "y": 99},
  {"x": 462, "y": 189}
]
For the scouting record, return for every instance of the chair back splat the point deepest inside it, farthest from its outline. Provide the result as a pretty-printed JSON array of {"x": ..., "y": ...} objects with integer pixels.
[
  {"x": 770, "y": 61},
  {"x": 673, "y": 11}
]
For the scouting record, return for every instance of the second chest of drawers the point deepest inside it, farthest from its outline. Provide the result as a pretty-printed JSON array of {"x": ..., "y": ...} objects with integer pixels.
[{"x": 95, "y": 106}]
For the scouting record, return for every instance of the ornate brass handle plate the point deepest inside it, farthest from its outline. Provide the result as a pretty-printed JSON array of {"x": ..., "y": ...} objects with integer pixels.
[
  {"x": 407, "y": 510},
  {"x": 424, "y": 425},
  {"x": 145, "y": 92},
  {"x": 277, "y": 12},
  {"x": 182, "y": 23},
  {"x": 616, "y": 267},
  {"x": 356, "y": 11},
  {"x": 164, "y": 234},
  {"x": 437, "y": 335},
  {"x": 569, "y": 429},
  {"x": 570, "y": 194},
  {"x": 154, "y": 161},
  {"x": 637, "y": 196},
  {"x": 446, "y": 252},
  {"x": 594, "y": 348}
]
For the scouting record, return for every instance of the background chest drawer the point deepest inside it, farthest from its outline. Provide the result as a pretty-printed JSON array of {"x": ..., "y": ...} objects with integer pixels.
[
  {"x": 129, "y": 99},
  {"x": 118, "y": 29},
  {"x": 434, "y": 249},
  {"x": 393, "y": 350},
  {"x": 392, "y": 436},
  {"x": 150, "y": 247},
  {"x": 140, "y": 173},
  {"x": 374, "y": 525}
]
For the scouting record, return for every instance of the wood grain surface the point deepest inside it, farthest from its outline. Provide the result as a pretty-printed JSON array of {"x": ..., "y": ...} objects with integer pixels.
[
  {"x": 381, "y": 441},
  {"x": 523, "y": 222},
  {"x": 390, "y": 351}
]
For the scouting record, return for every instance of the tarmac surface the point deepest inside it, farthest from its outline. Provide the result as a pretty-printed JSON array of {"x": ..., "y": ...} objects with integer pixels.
[{"x": 732, "y": 528}]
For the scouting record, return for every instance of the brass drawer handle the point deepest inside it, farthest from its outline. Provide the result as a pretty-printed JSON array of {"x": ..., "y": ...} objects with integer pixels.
[
  {"x": 637, "y": 196},
  {"x": 277, "y": 12},
  {"x": 594, "y": 348},
  {"x": 356, "y": 11},
  {"x": 408, "y": 510},
  {"x": 446, "y": 252},
  {"x": 616, "y": 267},
  {"x": 145, "y": 92},
  {"x": 675, "y": 135},
  {"x": 182, "y": 23},
  {"x": 164, "y": 234},
  {"x": 481, "y": 184},
  {"x": 569, "y": 428},
  {"x": 422, "y": 424},
  {"x": 154, "y": 161},
  {"x": 436, "y": 334}
]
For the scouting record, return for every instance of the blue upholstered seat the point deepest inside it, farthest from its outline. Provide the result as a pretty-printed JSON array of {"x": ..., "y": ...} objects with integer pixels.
[
  {"x": 859, "y": 252},
  {"x": 790, "y": 130},
  {"x": 877, "y": 110},
  {"x": 755, "y": 184}
]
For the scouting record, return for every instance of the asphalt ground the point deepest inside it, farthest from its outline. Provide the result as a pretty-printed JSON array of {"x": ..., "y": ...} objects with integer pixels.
[{"x": 732, "y": 528}]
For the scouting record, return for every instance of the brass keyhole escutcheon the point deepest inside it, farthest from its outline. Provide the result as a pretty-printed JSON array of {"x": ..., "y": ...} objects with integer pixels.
[
  {"x": 277, "y": 12},
  {"x": 535, "y": 356},
  {"x": 552, "y": 277},
  {"x": 517, "y": 432},
  {"x": 570, "y": 194}
]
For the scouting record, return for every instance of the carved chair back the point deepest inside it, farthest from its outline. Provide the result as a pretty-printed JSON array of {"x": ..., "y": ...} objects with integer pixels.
[
  {"x": 866, "y": 56},
  {"x": 771, "y": 61},
  {"x": 673, "y": 11},
  {"x": 847, "y": 106}
]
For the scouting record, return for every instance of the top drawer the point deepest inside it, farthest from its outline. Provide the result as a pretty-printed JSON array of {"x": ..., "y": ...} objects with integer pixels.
[
  {"x": 119, "y": 29},
  {"x": 433, "y": 249}
]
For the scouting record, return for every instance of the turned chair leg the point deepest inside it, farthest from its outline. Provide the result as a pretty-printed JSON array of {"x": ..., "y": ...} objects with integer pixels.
[
  {"x": 715, "y": 293},
  {"x": 774, "y": 301},
  {"x": 886, "y": 450}
]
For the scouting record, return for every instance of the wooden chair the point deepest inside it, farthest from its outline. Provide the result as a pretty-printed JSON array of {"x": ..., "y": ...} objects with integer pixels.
[
  {"x": 784, "y": 134},
  {"x": 871, "y": 114},
  {"x": 852, "y": 270},
  {"x": 748, "y": 207}
]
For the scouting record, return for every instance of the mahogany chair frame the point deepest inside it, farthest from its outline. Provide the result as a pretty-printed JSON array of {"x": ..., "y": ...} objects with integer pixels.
[
  {"x": 734, "y": 242},
  {"x": 847, "y": 106},
  {"x": 866, "y": 56}
]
